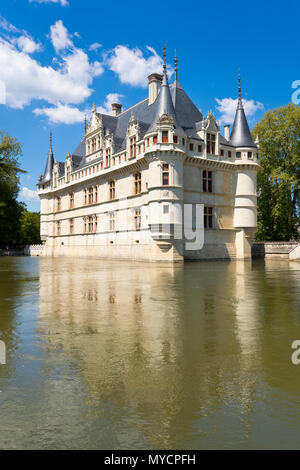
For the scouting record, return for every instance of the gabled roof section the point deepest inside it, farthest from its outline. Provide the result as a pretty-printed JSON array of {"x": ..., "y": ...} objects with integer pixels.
[{"x": 186, "y": 112}]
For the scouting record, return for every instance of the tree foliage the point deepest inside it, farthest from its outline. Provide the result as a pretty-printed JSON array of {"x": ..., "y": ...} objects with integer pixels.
[
  {"x": 17, "y": 225},
  {"x": 278, "y": 179},
  {"x": 30, "y": 228}
]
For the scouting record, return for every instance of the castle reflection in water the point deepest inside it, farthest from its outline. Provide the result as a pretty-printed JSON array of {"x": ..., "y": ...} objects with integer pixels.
[{"x": 176, "y": 355}]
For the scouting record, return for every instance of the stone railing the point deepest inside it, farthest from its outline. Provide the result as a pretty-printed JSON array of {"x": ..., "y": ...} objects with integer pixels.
[
  {"x": 33, "y": 250},
  {"x": 275, "y": 250}
]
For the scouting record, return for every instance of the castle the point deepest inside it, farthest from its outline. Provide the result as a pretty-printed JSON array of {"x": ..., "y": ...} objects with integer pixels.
[{"x": 135, "y": 171}]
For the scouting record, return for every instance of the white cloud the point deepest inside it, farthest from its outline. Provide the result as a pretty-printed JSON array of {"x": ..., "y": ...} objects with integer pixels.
[
  {"x": 64, "y": 114},
  {"x": 61, "y": 114},
  {"x": 27, "y": 44},
  {"x": 4, "y": 24},
  {"x": 110, "y": 98},
  {"x": 60, "y": 37},
  {"x": 132, "y": 67},
  {"x": 227, "y": 108},
  {"x": 64, "y": 3},
  {"x": 29, "y": 195},
  {"x": 26, "y": 79},
  {"x": 95, "y": 46}
]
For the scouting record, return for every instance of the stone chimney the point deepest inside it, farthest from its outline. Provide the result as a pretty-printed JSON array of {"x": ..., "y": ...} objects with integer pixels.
[
  {"x": 227, "y": 131},
  {"x": 155, "y": 80},
  {"x": 116, "y": 109}
]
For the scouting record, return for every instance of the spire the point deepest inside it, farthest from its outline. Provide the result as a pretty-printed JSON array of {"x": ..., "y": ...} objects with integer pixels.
[
  {"x": 49, "y": 165},
  {"x": 176, "y": 66},
  {"x": 164, "y": 100},
  {"x": 240, "y": 135},
  {"x": 85, "y": 124}
]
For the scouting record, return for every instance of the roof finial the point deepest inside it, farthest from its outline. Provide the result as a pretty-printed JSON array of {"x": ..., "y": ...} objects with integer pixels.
[
  {"x": 85, "y": 124},
  {"x": 164, "y": 66},
  {"x": 50, "y": 146},
  {"x": 240, "y": 89},
  {"x": 176, "y": 65}
]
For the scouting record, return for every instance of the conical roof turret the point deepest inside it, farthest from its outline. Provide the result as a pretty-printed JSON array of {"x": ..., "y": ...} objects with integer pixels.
[
  {"x": 50, "y": 162},
  {"x": 241, "y": 135},
  {"x": 164, "y": 101}
]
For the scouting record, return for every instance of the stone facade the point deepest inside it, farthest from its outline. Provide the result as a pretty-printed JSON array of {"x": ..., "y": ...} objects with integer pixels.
[{"x": 134, "y": 173}]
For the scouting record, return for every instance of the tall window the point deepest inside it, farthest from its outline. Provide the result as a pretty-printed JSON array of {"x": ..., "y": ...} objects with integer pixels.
[
  {"x": 90, "y": 224},
  {"x": 155, "y": 139},
  {"x": 96, "y": 194},
  {"x": 165, "y": 136},
  {"x": 229, "y": 153},
  {"x": 238, "y": 154},
  {"x": 137, "y": 219},
  {"x": 165, "y": 174},
  {"x": 91, "y": 195},
  {"x": 58, "y": 227},
  {"x": 71, "y": 195},
  {"x": 58, "y": 203},
  {"x": 250, "y": 155},
  {"x": 137, "y": 183},
  {"x": 71, "y": 226},
  {"x": 207, "y": 181},
  {"x": 211, "y": 144},
  {"x": 107, "y": 157},
  {"x": 175, "y": 139},
  {"x": 85, "y": 197},
  {"x": 112, "y": 221},
  {"x": 132, "y": 147},
  {"x": 208, "y": 217},
  {"x": 112, "y": 190}
]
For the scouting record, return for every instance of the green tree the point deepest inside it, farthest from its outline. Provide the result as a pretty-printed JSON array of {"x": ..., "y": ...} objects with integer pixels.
[
  {"x": 30, "y": 228},
  {"x": 278, "y": 179},
  {"x": 10, "y": 209}
]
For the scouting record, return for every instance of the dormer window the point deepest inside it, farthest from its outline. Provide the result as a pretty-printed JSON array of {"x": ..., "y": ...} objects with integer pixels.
[
  {"x": 107, "y": 158},
  {"x": 165, "y": 137},
  {"x": 68, "y": 174},
  {"x": 211, "y": 144},
  {"x": 132, "y": 147}
]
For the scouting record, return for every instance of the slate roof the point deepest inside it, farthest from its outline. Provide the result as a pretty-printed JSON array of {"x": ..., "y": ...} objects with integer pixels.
[
  {"x": 171, "y": 100},
  {"x": 185, "y": 113},
  {"x": 240, "y": 135},
  {"x": 49, "y": 164}
]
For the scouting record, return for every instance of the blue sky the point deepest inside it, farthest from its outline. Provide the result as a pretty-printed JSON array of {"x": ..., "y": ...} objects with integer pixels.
[{"x": 58, "y": 57}]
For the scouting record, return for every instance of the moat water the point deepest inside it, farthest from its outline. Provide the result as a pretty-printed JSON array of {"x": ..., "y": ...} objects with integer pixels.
[{"x": 122, "y": 355}]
